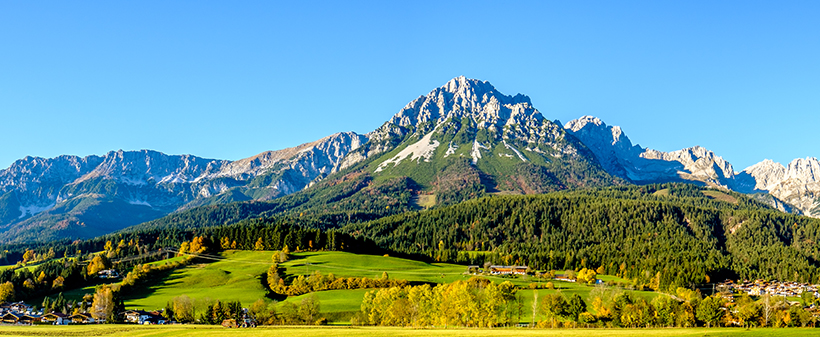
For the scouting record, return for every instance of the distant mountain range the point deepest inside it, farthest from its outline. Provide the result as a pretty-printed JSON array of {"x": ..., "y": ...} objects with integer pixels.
[
  {"x": 460, "y": 141},
  {"x": 794, "y": 188}
]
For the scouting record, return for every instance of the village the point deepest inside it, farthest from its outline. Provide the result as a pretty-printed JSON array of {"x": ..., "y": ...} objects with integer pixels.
[
  {"x": 20, "y": 313},
  {"x": 774, "y": 288}
]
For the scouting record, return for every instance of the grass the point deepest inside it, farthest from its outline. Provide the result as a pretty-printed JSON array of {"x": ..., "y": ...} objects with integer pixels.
[
  {"x": 718, "y": 195},
  {"x": 327, "y": 331},
  {"x": 31, "y": 266},
  {"x": 237, "y": 278},
  {"x": 664, "y": 192},
  {"x": 425, "y": 200},
  {"x": 341, "y": 304},
  {"x": 344, "y": 264}
]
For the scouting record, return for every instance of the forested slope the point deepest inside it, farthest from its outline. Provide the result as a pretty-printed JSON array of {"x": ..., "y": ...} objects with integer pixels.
[{"x": 678, "y": 237}]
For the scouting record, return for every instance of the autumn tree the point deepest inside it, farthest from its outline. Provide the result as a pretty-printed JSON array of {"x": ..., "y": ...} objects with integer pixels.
[
  {"x": 98, "y": 263},
  {"x": 183, "y": 308},
  {"x": 710, "y": 310},
  {"x": 102, "y": 308},
  {"x": 7, "y": 292},
  {"x": 263, "y": 312},
  {"x": 28, "y": 256},
  {"x": 553, "y": 306}
]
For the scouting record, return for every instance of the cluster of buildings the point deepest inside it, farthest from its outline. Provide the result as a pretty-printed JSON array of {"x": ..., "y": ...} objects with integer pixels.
[
  {"x": 762, "y": 287},
  {"x": 498, "y": 270},
  {"x": 144, "y": 317},
  {"x": 24, "y": 314}
]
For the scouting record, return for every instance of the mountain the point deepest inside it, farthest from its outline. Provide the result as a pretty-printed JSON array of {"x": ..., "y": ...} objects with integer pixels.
[
  {"x": 795, "y": 188},
  {"x": 797, "y": 185},
  {"x": 69, "y": 196},
  {"x": 467, "y": 134},
  {"x": 460, "y": 141}
]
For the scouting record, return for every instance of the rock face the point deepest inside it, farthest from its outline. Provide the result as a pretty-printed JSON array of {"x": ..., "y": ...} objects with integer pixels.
[
  {"x": 797, "y": 184},
  {"x": 639, "y": 165},
  {"x": 610, "y": 145},
  {"x": 795, "y": 188}
]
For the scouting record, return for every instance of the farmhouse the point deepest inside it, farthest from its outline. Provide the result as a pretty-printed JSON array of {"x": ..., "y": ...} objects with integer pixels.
[
  {"x": 17, "y": 318},
  {"x": 108, "y": 274},
  {"x": 81, "y": 318},
  {"x": 508, "y": 270},
  {"x": 55, "y": 318},
  {"x": 14, "y": 307},
  {"x": 143, "y": 317}
]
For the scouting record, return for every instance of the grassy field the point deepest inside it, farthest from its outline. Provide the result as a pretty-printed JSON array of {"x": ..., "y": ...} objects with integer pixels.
[
  {"x": 718, "y": 195},
  {"x": 425, "y": 200},
  {"x": 194, "y": 330},
  {"x": 339, "y": 305},
  {"x": 238, "y": 278}
]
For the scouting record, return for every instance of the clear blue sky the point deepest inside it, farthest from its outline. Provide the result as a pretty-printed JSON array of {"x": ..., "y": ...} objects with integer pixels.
[{"x": 231, "y": 79}]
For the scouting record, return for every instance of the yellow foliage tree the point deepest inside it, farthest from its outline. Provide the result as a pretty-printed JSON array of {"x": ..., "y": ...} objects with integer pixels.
[
  {"x": 184, "y": 247},
  {"x": 58, "y": 283},
  {"x": 98, "y": 263},
  {"x": 28, "y": 256},
  {"x": 7, "y": 292}
]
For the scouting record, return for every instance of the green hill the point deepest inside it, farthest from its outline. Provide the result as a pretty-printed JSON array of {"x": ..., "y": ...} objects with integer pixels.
[{"x": 237, "y": 277}]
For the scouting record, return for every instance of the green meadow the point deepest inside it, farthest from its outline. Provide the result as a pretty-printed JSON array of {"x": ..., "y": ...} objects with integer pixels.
[{"x": 237, "y": 276}]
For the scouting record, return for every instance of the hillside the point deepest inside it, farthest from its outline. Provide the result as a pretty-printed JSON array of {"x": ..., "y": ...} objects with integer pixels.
[{"x": 676, "y": 240}]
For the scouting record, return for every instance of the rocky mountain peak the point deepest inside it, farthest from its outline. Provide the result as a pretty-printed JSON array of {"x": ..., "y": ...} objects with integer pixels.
[
  {"x": 462, "y": 97},
  {"x": 619, "y": 157},
  {"x": 610, "y": 145},
  {"x": 804, "y": 169}
]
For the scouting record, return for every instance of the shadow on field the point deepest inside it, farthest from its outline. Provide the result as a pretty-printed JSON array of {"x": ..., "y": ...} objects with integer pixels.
[{"x": 149, "y": 285}]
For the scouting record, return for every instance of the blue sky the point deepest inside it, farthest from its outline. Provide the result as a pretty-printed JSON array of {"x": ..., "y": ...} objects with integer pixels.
[{"x": 231, "y": 79}]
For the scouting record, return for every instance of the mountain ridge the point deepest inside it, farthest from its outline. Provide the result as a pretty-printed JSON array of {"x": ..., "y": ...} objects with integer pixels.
[
  {"x": 795, "y": 187},
  {"x": 459, "y": 141}
]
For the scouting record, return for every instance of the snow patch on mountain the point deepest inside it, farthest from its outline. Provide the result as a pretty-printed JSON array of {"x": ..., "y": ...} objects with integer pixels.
[
  {"x": 33, "y": 209},
  {"x": 450, "y": 149},
  {"x": 476, "y": 151},
  {"x": 520, "y": 156},
  {"x": 423, "y": 149},
  {"x": 139, "y": 202}
]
